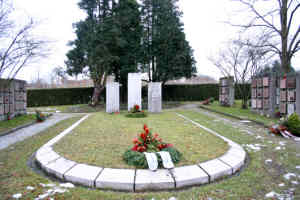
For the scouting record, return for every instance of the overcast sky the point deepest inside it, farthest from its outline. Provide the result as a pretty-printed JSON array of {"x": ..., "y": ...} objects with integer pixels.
[{"x": 202, "y": 19}]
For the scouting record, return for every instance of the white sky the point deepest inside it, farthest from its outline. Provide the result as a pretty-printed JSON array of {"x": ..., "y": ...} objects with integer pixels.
[{"x": 203, "y": 27}]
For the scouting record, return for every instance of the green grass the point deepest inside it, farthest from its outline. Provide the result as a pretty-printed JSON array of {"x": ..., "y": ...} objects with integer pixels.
[
  {"x": 85, "y": 108},
  {"x": 102, "y": 139},
  {"x": 254, "y": 182},
  {"x": 15, "y": 122},
  {"x": 237, "y": 111}
]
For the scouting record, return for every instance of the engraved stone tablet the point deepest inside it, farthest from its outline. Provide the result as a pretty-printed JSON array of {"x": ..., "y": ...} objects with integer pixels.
[
  {"x": 266, "y": 81},
  {"x": 266, "y": 92},
  {"x": 154, "y": 97},
  {"x": 223, "y": 90},
  {"x": 1, "y": 109},
  {"x": 6, "y": 108},
  {"x": 277, "y": 100},
  {"x": 259, "y": 104},
  {"x": 1, "y": 98},
  {"x": 283, "y": 83},
  {"x": 283, "y": 108},
  {"x": 277, "y": 91},
  {"x": 291, "y": 95},
  {"x": 282, "y": 95},
  {"x": 291, "y": 108},
  {"x": 253, "y": 95},
  {"x": 291, "y": 83},
  {"x": 266, "y": 104},
  {"x": 134, "y": 90},
  {"x": 6, "y": 99},
  {"x": 253, "y": 103},
  {"x": 254, "y": 83},
  {"x": 259, "y": 92},
  {"x": 112, "y": 97},
  {"x": 259, "y": 82}
]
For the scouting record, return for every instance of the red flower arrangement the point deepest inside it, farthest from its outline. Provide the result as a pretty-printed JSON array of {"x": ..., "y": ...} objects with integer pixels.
[{"x": 146, "y": 141}]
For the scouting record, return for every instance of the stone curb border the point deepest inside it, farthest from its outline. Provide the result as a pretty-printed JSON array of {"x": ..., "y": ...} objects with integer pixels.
[{"x": 138, "y": 180}]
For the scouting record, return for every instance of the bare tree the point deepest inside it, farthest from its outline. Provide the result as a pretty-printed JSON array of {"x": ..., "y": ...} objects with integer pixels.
[
  {"x": 241, "y": 61},
  {"x": 19, "y": 46},
  {"x": 279, "y": 22}
]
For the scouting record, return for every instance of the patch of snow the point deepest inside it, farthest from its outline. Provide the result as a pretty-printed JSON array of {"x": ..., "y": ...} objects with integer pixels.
[
  {"x": 42, "y": 196},
  {"x": 297, "y": 139},
  {"x": 281, "y": 185},
  {"x": 30, "y": 188},
  {"x": 295, "y": 182},
  {"x": 271, "y": 194},
  {"x": 268, "y": 161},
  {"x": 17, "y": 196},
  {"x": 58, "y": 111},
  {"x": 259, "y": 137},
  {"x": 50, "y": 185},
  {"x": 270, "y": 142},
  {"x": 298, "y": 167},
  {"x": 42, "y": 184},
  {"x": 172, "y": 198},
  {"x": 282, "y": 143},
  {"x": 59, "y": 190},
  {"x": 245, "y": 121},
  {"x": 67, "y": 185},
  {"x": 289, "y": 175}
]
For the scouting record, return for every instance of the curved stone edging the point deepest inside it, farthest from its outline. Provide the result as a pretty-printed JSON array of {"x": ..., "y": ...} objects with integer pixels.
[{"x": 140, "y": 179}]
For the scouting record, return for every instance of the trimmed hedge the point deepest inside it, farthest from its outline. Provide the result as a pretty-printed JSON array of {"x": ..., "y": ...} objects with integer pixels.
[{"x": 71, "y": 96}]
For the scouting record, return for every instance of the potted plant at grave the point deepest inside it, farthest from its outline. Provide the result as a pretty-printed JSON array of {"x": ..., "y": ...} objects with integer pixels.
[
  {"x": 136, "y": 112},
  {"x": 40, "y": 117},
  {"x": 148, "y": 142}
]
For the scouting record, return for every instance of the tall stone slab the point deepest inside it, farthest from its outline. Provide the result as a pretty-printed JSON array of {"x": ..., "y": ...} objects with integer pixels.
[
  {"x": 226, "y": 91},
  {"x": 298, "y": 94},
  {"x": 134, "y": 90},
  {"x": 112, "y": 97},
  {"x": 271, "y": 99},
  {"x": 154, "y": 97}
]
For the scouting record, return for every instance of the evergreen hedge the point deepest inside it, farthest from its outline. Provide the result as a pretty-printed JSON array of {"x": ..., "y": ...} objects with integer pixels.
[{"x": 71, "y": 96}]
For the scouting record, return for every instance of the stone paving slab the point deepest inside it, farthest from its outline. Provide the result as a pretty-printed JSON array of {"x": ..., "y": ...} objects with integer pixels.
[
  {"x": 83, "y": 174},
  {"x": 189, "y": 175},
  {"x": 216, "y": 169},
  {"x": 118, "y": 179},
  {"x": 238, "y": 152},
  {"x": 60, "y": 167},
  {"x": 46, "y": 158},
  {"x": 153, "y": 180}
]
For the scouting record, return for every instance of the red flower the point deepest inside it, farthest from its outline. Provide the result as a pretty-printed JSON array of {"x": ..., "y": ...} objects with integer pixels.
[
  {"x": 135, "y": 148},
  {"x": 155, "y": 135},
  {"x": 146, "y": 131},
  {"x": 145, "y": 126},
  {"x": 169, "y": 145},
  {"x": 143, "y": 136},
  {"x": 135, "y": 141},
  {"x": 137, "y": 107}
]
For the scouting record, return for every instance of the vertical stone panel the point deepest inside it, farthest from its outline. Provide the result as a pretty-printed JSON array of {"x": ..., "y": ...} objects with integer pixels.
[
  {"x": 154, "y": 97},
  {"x": 112, "y": 97},
  {"x": 134, "y": 90}
]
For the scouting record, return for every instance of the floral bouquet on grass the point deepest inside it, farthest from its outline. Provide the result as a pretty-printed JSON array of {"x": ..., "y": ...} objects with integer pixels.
[
  {"x": 40, "y": 117},
  {"x": 289, "y": 127},
  {"x": 148, "y": 142},
  {"x": 136, "y": 112}
]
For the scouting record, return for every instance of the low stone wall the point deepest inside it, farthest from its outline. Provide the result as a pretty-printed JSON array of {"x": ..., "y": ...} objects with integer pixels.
[{"x": 12, "y": 98}]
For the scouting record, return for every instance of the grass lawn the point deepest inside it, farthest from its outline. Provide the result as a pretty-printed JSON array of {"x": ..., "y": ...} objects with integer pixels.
[
  {"x": 85, "y": 108},
  {"x": 256, "y": 180},
  {"x": 242, "y": 113},
  {"x": 102, "y": 139},
  {"x": 15, "y": 122}
]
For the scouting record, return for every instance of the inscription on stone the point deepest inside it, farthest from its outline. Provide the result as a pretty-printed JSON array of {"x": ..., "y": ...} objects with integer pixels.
[
  {"x": 259, "y": 104},
  {"x": 282, "y": 95},
  {"x": 259, "y": 82},
  {"x": 291, "y": 83},
  {"x": 266, "y": 81},
  {"x": 266, "y": 92},
  {"x": 283, "y": 108},
  {"x": 283, "y": 83},
  {"x": 254, "y": 81},
  {"x": 266, "y": 104},
  {"x": 291, "y": 95},
  {"x": 253, "y": 93},
  {"x": 1, "y": 109},
  {"x": 154, "y": 97},
  {"x": 112, "y": 97},
  {"x": 291, "y": 108},
  {"x": 259, "y": 92},
  {"x": 134, "y": 90},
  {"x": 253, "y": 103}
]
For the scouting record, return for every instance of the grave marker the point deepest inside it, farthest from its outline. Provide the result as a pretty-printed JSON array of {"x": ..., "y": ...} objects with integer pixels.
[
  {"x": 112, "y": 97},
  {"x": 154, "y": 97},
  {"x": 134, "y": 90}
]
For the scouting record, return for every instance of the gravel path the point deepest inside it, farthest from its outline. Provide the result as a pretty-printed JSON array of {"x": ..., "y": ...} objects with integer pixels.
[{"x": 22, "y": 134}]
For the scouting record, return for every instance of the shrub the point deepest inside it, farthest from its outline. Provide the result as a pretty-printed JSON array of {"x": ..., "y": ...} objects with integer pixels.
[
  {"x": 135, "y": 112},
  {"x": 293, "y": 124}
]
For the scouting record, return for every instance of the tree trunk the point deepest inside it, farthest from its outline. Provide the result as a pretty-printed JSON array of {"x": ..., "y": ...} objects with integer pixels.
[
  {"x": 98, "y": 88},
  {"x": 284, "y": 57}
]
